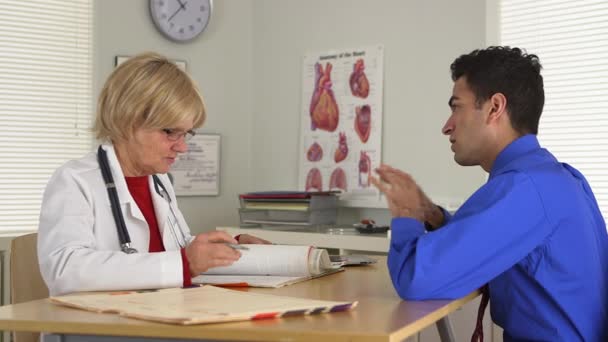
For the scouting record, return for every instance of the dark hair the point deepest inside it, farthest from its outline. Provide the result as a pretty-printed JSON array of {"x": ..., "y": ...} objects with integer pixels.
[{"x": 510, "y": 71}]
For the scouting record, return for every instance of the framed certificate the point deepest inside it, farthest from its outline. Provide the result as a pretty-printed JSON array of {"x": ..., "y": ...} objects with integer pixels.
[{"x": 197, "y": 172}]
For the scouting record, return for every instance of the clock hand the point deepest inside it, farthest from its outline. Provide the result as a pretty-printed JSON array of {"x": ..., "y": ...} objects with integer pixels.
[
  {"x": 182, "y": 5},
  {"x": 173, "y": 15}
]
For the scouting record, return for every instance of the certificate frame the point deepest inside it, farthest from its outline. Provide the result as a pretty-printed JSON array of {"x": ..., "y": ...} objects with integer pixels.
[{"x": 197, "y": 172}]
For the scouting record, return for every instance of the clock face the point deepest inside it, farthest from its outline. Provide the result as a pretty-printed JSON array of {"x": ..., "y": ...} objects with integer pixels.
[{"x": 181, "y": 20}]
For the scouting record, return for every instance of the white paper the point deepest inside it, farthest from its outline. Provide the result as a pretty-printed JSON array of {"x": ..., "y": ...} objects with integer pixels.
[
  {"x": 282, "y": 260},
  {"x": 259, "y": 281},
  {"x": 250, "y": 280}
]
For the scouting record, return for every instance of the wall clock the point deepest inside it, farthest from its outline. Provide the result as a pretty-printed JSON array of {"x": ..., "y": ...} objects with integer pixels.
[{"x": 181, "y": 20}]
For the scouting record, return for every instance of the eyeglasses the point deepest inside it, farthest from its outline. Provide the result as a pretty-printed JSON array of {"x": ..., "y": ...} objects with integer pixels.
[{"x": 175, "y": 134}]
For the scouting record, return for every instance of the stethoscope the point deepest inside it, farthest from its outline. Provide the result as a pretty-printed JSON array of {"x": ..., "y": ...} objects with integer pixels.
[{"x": 123, "y": 233}]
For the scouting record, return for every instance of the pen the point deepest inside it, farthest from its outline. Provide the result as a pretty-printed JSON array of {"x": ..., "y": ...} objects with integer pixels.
[{"x": 238, "y": 247}]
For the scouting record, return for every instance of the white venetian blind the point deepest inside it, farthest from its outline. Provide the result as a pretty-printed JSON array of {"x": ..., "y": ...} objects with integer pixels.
[
  {"x": 571, "y": 39},
  {"x": 45, "y": 99}
]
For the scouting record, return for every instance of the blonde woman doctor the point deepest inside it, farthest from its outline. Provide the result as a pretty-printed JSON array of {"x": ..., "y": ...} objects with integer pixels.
[{"x": 110, "y": 220}]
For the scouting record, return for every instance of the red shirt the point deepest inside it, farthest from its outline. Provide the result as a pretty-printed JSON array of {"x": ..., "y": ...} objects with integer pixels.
[{"x": 139, "y": 189}]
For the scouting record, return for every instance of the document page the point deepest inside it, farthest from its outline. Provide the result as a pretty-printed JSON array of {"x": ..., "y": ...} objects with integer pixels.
[
  {"x": 255, "y": 280},
  {"x": 282, "y": 260},
  {"x": 247, "y": 280}
]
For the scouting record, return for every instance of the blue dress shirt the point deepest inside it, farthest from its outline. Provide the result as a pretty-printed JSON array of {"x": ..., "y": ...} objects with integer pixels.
[{"x": 534, "y": 232}]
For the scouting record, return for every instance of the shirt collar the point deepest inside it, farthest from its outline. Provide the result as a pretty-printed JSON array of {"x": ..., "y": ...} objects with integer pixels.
[{"x": 514, "y": 150}]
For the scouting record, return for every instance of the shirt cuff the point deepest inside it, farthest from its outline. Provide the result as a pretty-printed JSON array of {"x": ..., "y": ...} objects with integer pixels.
[{"x": 186, "y": 269}]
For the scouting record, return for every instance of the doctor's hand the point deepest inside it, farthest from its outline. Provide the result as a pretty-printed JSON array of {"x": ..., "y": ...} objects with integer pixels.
[
  {"x": 250, "y": 239},
  {"x": 405, "y": 198},
  {"x": 210, "y": 250}
]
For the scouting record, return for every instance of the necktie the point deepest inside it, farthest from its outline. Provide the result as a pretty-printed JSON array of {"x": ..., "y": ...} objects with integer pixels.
[{"x": 485, "y": 298}]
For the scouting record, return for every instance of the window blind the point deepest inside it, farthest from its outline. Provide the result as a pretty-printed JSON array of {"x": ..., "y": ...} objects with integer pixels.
[
  {"x": 45, "y": 99},
  {"x": 571, "y": 39}
]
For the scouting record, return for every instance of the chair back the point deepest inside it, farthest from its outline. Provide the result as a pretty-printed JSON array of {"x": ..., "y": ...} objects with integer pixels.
[{"x": 25, "y": 278}]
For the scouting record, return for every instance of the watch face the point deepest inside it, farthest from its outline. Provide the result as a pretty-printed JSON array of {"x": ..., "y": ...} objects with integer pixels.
[{"x": 181, "y": 20}]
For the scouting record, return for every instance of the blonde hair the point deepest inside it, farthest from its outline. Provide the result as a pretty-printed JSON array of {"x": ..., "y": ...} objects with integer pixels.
[{"x": 147, "y": 91}]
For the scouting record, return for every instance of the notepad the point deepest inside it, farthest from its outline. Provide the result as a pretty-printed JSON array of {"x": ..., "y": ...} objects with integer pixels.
[
  {"x": 271, "y": 266},
  {"x": 206, "y": 304}
]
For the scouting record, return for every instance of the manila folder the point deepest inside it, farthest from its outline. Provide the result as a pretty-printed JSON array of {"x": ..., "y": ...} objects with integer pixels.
[{"x": 206, "y": 304}]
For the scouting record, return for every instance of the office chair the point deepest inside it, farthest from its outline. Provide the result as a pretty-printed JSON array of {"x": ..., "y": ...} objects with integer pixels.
[{"x": 26, "y": 281}]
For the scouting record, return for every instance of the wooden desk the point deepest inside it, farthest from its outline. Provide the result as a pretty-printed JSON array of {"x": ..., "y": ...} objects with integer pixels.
[{"x": 380, "y": 315}]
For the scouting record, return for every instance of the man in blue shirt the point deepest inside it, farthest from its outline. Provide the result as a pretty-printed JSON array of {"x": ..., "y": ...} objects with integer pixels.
[{"x": 533, "y": 232}]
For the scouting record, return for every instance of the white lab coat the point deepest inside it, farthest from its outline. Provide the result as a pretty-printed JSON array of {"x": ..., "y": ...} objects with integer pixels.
[{"x": 78, "y": 245}]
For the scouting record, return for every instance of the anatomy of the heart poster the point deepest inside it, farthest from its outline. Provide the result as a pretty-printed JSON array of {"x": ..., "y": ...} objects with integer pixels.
[{"x": 341, "y": 120}]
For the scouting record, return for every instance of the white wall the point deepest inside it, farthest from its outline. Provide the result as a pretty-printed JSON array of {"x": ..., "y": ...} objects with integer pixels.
[
  {"x": 248, "y": 64},
  {"x": 220, "y": 61},
  {"x": 421, "y": 39}
]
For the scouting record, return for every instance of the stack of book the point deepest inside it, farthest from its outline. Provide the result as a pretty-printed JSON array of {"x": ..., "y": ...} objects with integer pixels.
[{"x": 289, "y": 208}]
